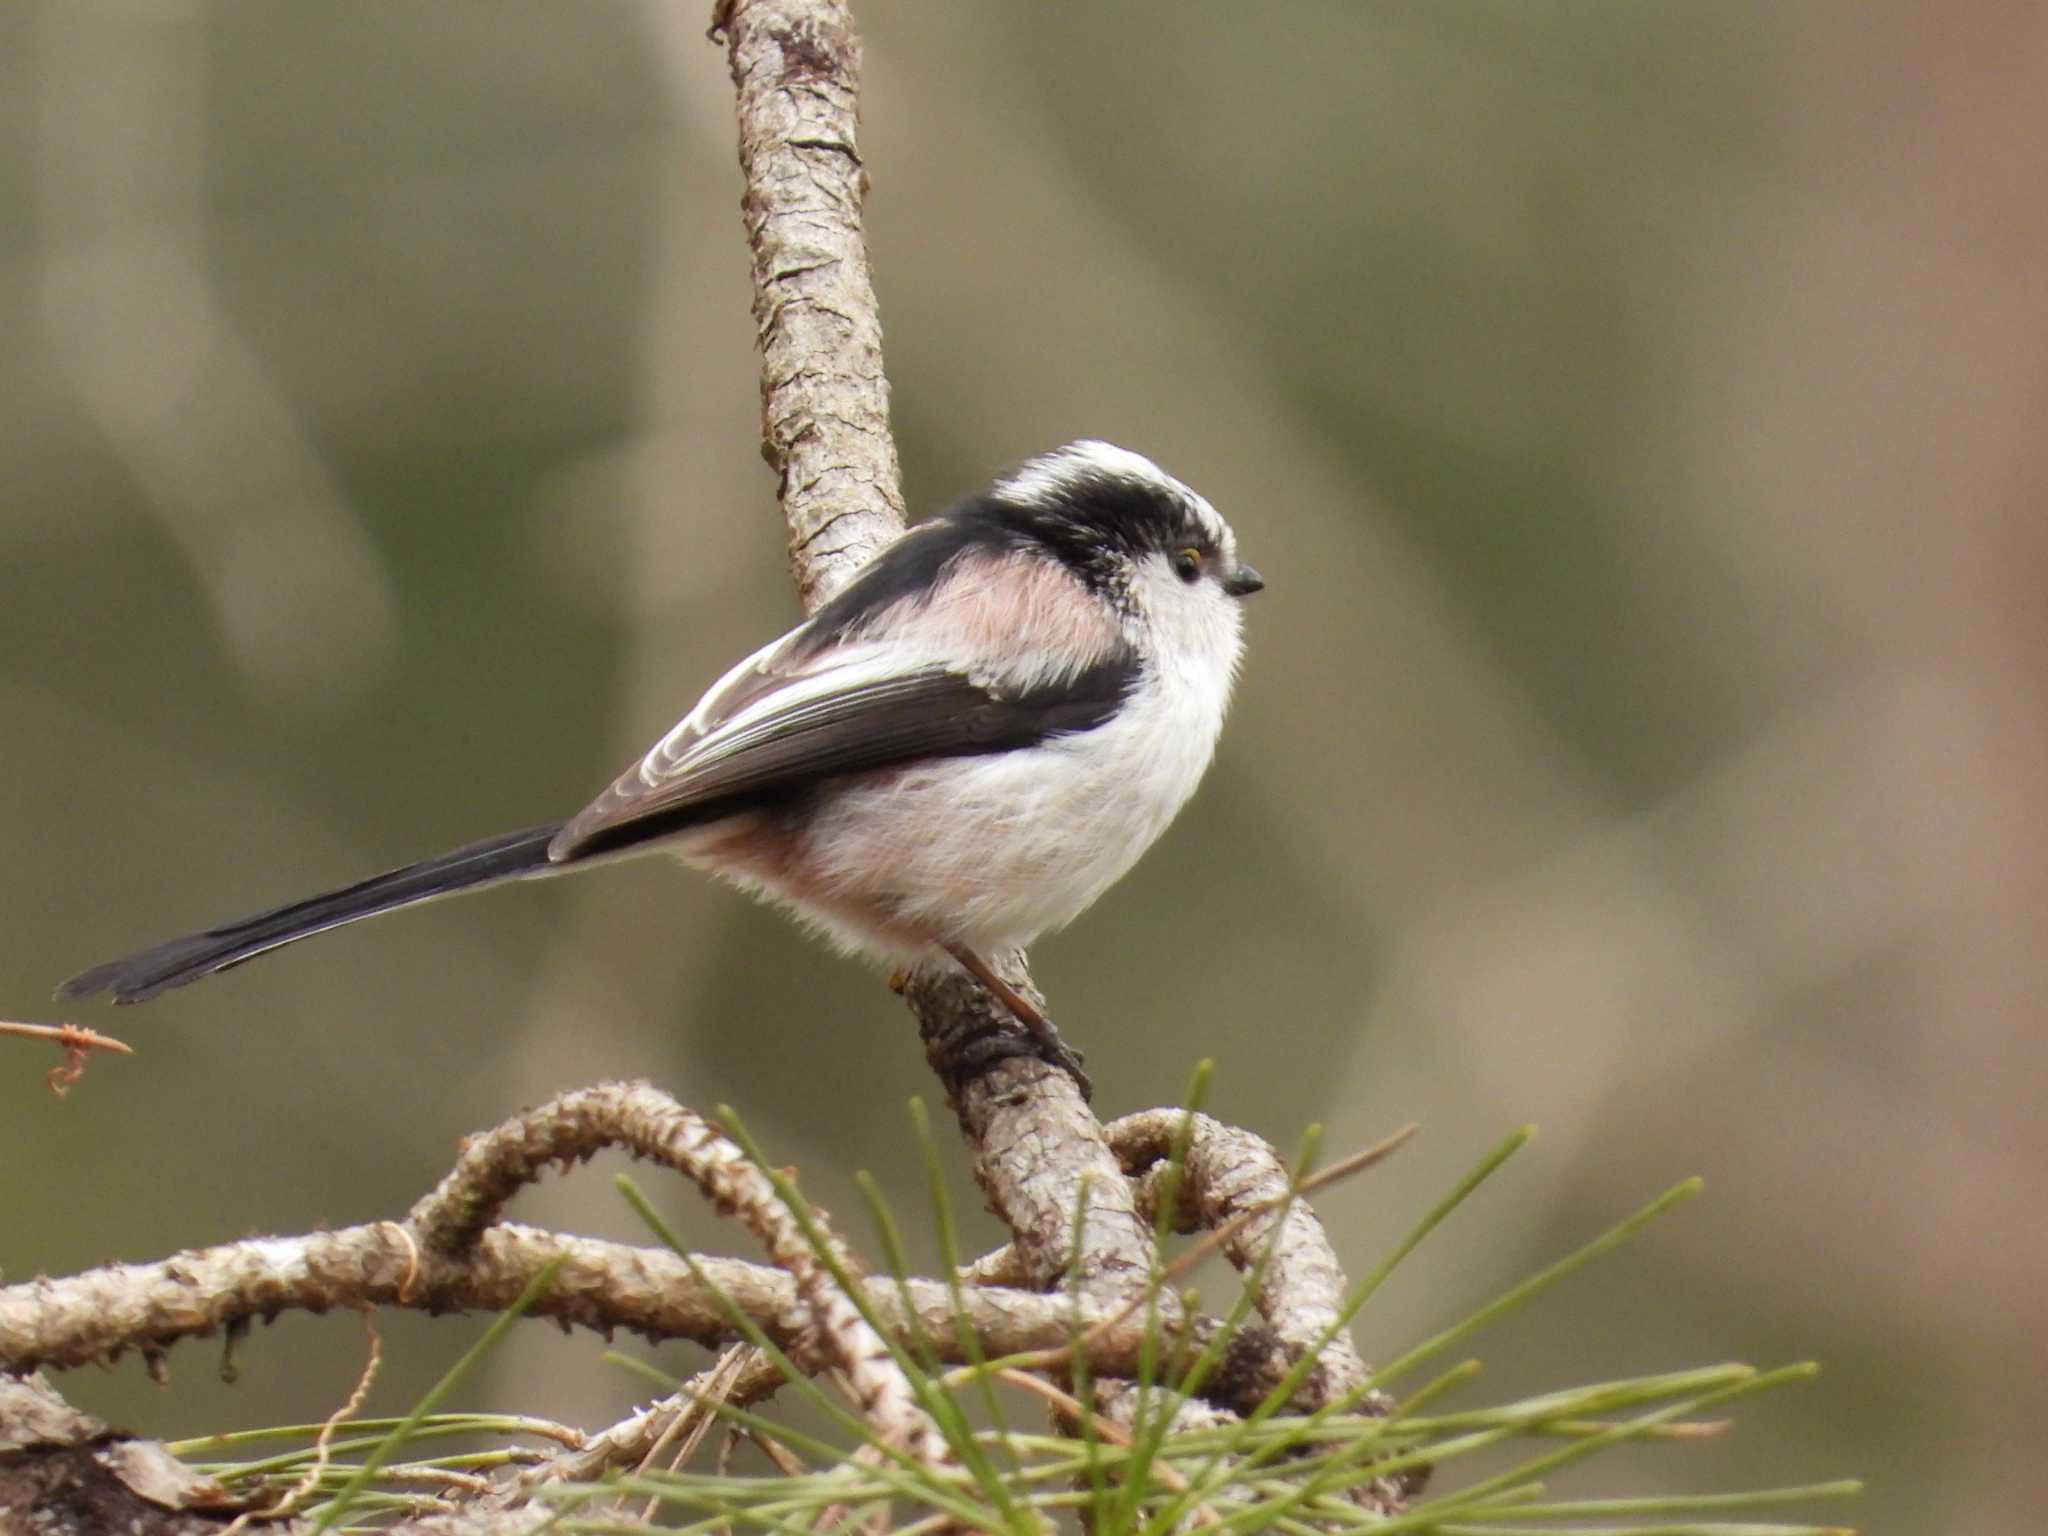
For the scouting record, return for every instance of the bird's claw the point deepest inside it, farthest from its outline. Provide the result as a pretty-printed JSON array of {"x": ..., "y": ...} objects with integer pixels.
[{"x": 1055, "y": 1052}]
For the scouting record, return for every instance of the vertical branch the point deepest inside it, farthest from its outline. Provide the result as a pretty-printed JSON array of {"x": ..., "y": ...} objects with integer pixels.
[
  {"x": 824, "y": 400},
  {"x": 1039, "y": 1153},
  {"x": 825, "y": 430}
]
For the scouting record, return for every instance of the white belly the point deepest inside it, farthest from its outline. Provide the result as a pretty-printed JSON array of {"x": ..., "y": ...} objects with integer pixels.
[{"x": 994, "y": 851}]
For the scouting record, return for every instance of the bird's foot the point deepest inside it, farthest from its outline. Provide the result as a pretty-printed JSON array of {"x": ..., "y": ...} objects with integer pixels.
[
  {"x": 1045, "y": 1037},
  {"x": 981, "y": 1053},
  {"x": 1055, "y": 1052}
]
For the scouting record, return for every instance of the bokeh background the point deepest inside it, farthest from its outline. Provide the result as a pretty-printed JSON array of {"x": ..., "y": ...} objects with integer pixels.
[{"x": 1638, "y": 413}]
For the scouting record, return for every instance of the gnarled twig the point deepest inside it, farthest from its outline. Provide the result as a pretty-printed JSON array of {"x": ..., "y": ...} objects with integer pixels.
[
  {"x": 1232, "y": 1179},
  {"x": 652, "y": 1125},
  {"x": 451, "y": 1254}
]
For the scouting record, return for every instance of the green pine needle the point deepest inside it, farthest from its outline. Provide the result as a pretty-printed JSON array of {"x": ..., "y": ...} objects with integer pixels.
[
  {"x": 1276, "y": 1471},
  {"x": 401, "y": 1432}
]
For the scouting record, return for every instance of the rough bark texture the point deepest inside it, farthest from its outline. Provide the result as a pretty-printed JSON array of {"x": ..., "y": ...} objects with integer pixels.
[
  {"x": 1037, "y": 1145},
  {"x": 96, "y": 1317},
  {"x": 1281, "y": 1248},
  {"x": 652, "y": 1125},
  {"x": 66, "y": 1473},
  {"x": 824, "y": 399},
  {"x": 62, "y": 1471}
]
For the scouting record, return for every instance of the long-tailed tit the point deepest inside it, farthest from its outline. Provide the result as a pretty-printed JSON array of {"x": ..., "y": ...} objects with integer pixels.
[{"x": 959, "y": 752}]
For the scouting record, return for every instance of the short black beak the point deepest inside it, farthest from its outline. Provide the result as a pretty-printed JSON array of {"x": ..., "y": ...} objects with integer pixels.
[{"x": 1243, "y": 582}]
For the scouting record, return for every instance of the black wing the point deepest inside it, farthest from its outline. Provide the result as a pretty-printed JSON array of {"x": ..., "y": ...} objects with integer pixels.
[{"x": 845, "y": 719}]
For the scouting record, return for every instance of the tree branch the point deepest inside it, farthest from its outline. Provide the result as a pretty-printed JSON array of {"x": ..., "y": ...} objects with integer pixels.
[
  {"x": 447, "y": 1256},
  {"x": 1234, "y": 1180},
  {"x": 652, "y": 1125},
  {"x": 824, "y": 400},
  {"x": 65, "y": 1472},
  {"x": 75, "y": 1040}
]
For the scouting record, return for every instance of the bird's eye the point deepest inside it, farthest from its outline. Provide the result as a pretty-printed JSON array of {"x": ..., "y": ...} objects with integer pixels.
[{"x": 1187, "y": 564}]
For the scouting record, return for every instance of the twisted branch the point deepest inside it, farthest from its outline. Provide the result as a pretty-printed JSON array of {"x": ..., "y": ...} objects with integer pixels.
[
  {"x": 652, "y": 1125},
  {"x": 451, "y": 1254},
  {"x": 1234, "y": 1182}
]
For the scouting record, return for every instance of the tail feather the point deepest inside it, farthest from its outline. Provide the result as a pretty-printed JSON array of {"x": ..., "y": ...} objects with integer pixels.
[{"x": 143, "y": 975}]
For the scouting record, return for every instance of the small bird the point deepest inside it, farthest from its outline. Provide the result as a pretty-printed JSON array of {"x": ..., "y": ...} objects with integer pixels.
[{"x": 956, "y": 754}]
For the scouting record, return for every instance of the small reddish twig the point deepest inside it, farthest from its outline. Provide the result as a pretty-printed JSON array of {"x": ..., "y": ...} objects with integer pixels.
[
  {"x": 1109, "y": 1429},
  {"x": 78, "y": 1044},
  {"x": 323, "y": 1447}
]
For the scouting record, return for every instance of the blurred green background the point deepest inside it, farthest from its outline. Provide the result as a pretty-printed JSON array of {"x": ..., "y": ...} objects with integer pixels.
[{"x": 1636, "y": 409}]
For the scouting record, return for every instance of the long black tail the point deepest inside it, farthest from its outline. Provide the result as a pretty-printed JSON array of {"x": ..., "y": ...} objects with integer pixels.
[{"x": 142, "y": 976}]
